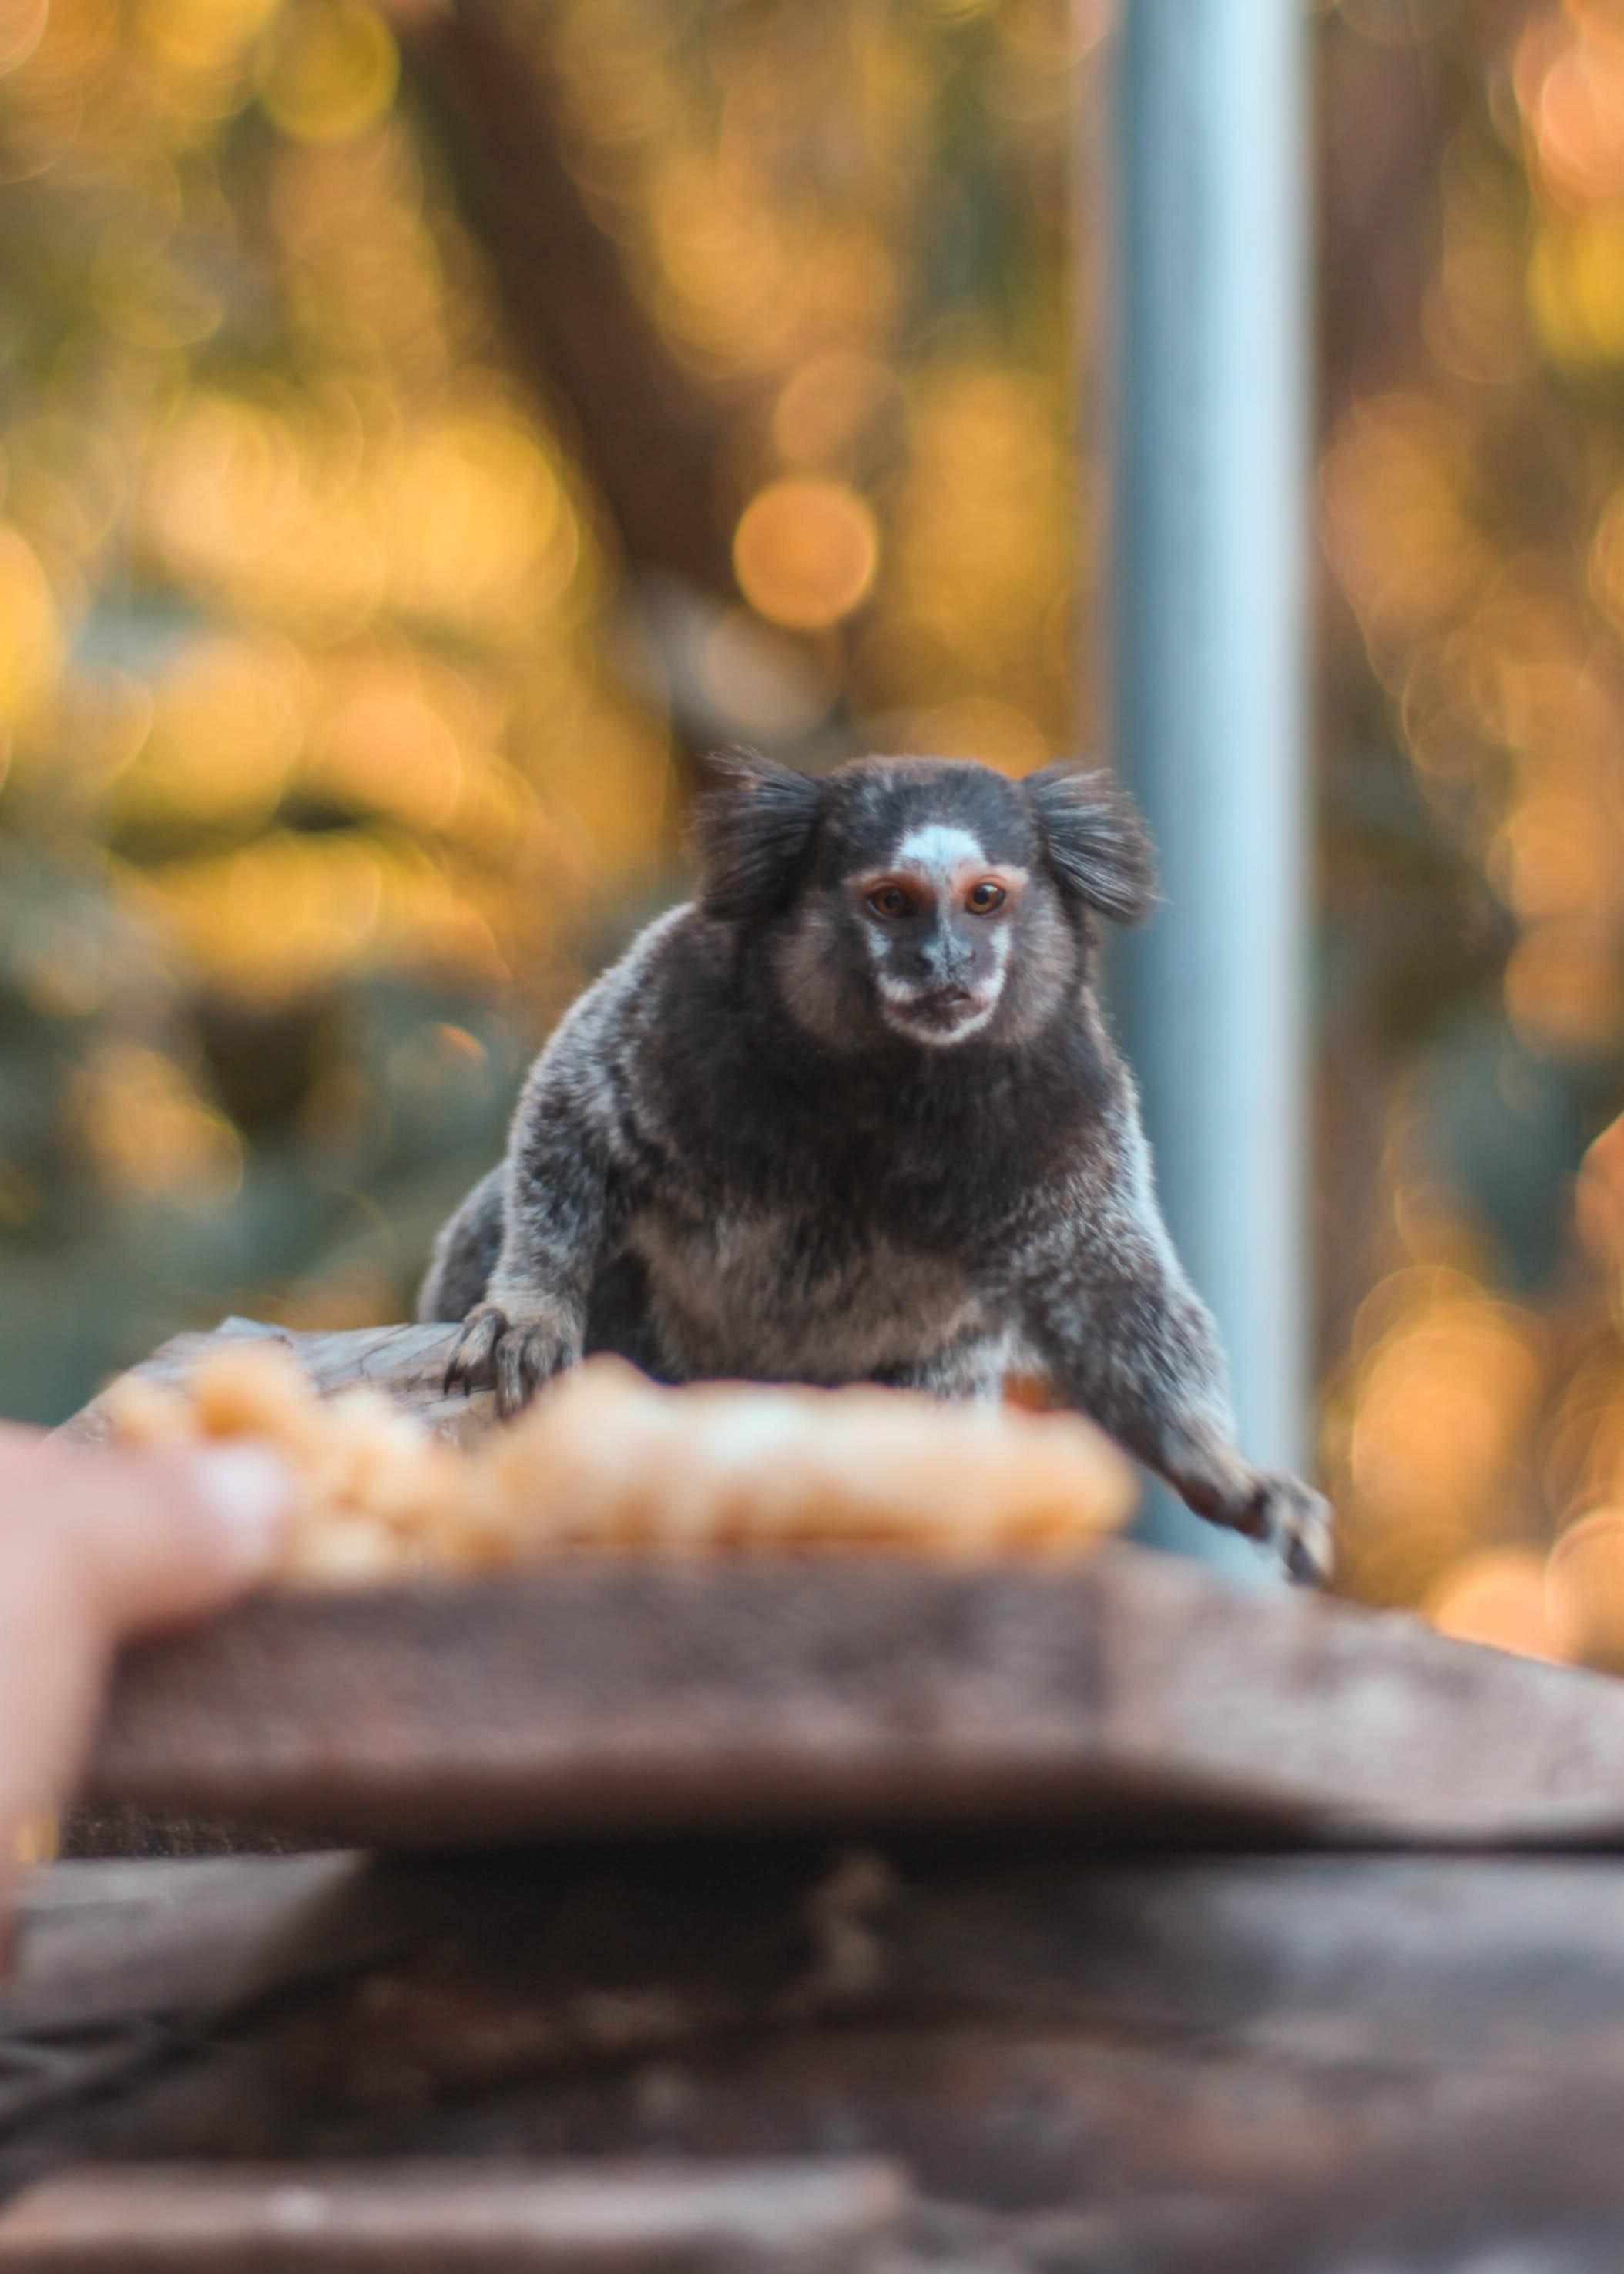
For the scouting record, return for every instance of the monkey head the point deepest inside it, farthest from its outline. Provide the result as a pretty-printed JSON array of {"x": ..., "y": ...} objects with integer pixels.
[{"x": 929, "y": 902}]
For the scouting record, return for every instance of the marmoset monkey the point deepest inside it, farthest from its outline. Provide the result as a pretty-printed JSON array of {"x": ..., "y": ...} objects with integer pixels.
[{"x": 852, "y": 1114}]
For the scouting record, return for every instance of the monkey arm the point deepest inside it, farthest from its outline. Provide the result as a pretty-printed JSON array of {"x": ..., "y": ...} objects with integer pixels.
[
  {"x": 1126, "y": 1339},
  {"x": 560, "y": 1210}
]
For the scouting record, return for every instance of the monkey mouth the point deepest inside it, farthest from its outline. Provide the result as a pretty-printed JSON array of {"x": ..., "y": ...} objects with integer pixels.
[{"x": 946, "y": 1014}]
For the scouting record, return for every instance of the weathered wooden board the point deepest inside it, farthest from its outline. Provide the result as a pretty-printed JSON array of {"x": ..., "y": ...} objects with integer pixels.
[
  {"x": 1306, "y": 2064},
  {"x": 425, "y": 2218},
  {"x": 1460, "y": 1964},
  {"x": 407, "y": 1363},
  {"x": 1057, "y": 2049},
  {"x": 621, "y": 1695},
  {"x": 654, "y": 1693}
]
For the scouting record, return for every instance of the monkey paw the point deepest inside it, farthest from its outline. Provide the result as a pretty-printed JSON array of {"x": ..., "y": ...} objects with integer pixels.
[
  {"x": 514, "y": 1357},
  {"x": 1290, "y": 1516}
]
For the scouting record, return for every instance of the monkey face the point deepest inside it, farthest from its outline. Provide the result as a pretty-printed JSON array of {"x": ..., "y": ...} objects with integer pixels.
[
  {"x": 928, "y": 914},
  {"x": 938, "y": 923},
  {"x": 929, "y": 902}
]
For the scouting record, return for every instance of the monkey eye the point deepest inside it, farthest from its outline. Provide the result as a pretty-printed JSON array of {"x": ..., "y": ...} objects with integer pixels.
[
  {"x": 890, "y": 900},
  {"x": 983, "y": 899}
]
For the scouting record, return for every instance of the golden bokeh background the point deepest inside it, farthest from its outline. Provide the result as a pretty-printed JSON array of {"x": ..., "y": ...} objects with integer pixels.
[
  {"x": 423, "y": 429},
  {"x": 1471, "y": 499},
  {"x": 426, "y": 425}
]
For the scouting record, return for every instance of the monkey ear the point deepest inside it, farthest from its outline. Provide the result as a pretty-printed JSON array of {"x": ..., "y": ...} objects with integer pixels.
[
  {"x": 1097, "y": 843},
  {"x": 751, "y": 835}
]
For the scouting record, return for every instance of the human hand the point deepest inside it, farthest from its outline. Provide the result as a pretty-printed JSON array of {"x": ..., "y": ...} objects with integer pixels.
[{"x": 95, "y": 1548}]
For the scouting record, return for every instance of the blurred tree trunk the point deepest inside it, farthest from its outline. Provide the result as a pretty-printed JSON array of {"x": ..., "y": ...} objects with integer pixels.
[{"x": 647, "y": 437}]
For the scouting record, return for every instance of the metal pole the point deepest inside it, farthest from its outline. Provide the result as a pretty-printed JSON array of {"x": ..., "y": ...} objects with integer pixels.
[{"x": 1211, "y": 202}]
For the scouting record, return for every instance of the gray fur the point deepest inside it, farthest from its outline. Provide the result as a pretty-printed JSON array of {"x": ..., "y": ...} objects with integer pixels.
[
  {"x": 834, "y": 1121},
  {"x": 465, "y": 1253}
]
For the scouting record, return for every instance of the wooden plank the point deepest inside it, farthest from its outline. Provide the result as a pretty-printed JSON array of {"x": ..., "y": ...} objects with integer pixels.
[
  {"x": 103, "y": 1944},
  {"x": 1033, "y": 2033},
  {"x": 795, "y": 2217},
  {"x": 1127, "y": 1690},
  {"x": 1538, "y": 2195},
  {"x": 115, "y": 1965},
  {"x": 649, "y": 1694},
  {"x": 407, "y": 1363},
  {"x": 1461, "y": 1960}
]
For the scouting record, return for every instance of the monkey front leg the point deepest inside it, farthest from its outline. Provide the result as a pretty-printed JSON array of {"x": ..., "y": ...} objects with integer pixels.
[
  {"x": 1130, "y": 1344},
  {"x": 556, "y": 1218}
]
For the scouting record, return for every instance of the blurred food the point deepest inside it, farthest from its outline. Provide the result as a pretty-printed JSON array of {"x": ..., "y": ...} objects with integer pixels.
[{"x": 608, "y": 1460}]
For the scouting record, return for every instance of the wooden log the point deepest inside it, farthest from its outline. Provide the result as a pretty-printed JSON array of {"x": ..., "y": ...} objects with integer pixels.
[
  {"x": 116, "y": 1943},
  {"x": 1537, "y": 2196},
  {"x": 1270, "y": 2065},
  {"x": 800, "y": 2217},
  {"x": 648, "y": 1692},
  {"x": 407, "y": 1363},
  {"x": 1030, "y": 2034},
  {"x": 1126, "y": 1691}
]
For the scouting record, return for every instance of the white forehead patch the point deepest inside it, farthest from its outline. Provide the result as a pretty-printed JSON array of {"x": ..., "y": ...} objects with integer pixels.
[{"x": 940, "y": 847}]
